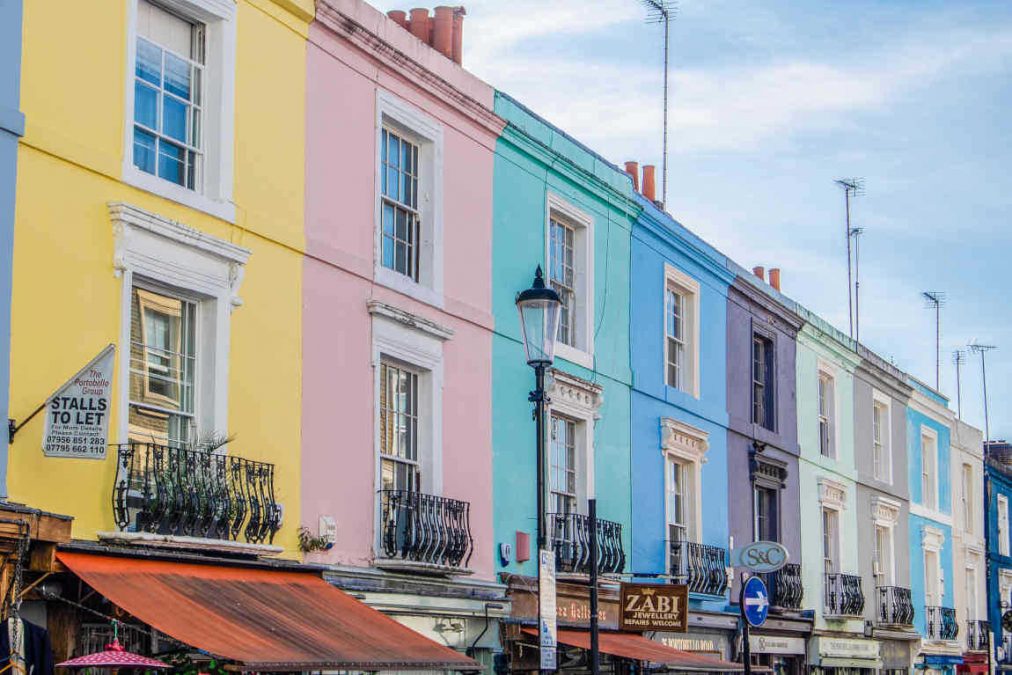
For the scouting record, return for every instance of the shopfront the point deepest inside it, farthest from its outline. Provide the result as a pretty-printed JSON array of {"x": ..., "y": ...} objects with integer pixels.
[
  {"x": 780, "y": 645},
  {"x": 897, "y": 654},
  {"x": 829, "y": 655}
]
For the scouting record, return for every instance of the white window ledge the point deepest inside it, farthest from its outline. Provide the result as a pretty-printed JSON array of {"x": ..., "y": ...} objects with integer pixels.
[
  {"x": 177, "y": 193},
  {"x": 574, "y": 355},
  {"x": 408, "y": 286}
]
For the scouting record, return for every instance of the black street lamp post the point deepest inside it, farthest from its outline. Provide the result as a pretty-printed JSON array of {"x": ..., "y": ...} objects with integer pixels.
[{"x": 539, "y": 308}]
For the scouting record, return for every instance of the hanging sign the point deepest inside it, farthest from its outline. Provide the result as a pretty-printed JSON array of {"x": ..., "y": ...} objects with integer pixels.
[
  {"x": 77, "y": 415},
  {"x": 760, "y": 556},
  {"x": 547, "y": 633},
  {"x": 654, "y": 607}
]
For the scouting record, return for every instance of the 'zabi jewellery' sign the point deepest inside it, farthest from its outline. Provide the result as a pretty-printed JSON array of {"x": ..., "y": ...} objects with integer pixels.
[
  {"x": 77, "y": 415},
  {"x": 654, "y": 607}
]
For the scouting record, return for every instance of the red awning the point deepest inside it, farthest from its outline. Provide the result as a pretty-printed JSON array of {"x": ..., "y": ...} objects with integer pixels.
[
  {"x": 636, "y": 647},
  {"x": 263, "y": 619}
]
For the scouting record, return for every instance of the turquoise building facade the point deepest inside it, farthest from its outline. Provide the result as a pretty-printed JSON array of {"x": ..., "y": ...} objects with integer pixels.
[
  {"x": 678, "y": 338},
  {"x": 12, "y": 127},
  {"x": 559, "y": 206},
  {"x": 932, "y": 576}
]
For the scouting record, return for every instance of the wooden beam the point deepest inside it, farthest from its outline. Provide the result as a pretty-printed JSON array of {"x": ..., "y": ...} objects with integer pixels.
[{"x": 42, "y": 557}]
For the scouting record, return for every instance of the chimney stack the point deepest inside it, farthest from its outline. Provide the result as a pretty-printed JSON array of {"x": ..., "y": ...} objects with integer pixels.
[
  {"x": 775, "y": 277},
  {"x": 649, "y": 182},
  {"x": 633, "y": 169},
  {"x": 759, "y": 271},
  {"x": 444, "y": 31}
]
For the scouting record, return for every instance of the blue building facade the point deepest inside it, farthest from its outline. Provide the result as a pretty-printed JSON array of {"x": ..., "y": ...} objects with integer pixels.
[
  {"x": 12, "y": 127},
  {"x": 932, "y": 577},
  {"x": 678, "y": 343},
  {"x": 997, "y": 497}
]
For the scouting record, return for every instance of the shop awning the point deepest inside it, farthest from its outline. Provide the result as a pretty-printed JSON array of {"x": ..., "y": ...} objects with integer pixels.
[
  {"x": 262, "y": 619},
  {"x": 636, "y": 647}
]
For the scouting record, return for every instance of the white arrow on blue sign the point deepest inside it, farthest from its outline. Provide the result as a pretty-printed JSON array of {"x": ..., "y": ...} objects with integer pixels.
[{"x": 755, "y": 601}]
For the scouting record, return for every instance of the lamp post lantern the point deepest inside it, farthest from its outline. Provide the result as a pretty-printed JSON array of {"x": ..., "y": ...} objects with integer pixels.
[{"x": 539, "y": 308}]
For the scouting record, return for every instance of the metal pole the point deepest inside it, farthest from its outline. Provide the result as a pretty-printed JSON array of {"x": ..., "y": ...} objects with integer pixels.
[
  {"x": 857, "y": 286},
  {"x": 746, "y": 648},
  {"x": 938, "y": 345},
  {"x": 959, "y": 389},
  {"x": 850, "y": 287},
  {"x": 538, "y": 395},
  {"x": 595, "y": 654},
  {"x": 983, "y": 376},
  {"x": 664, "y": 160}
]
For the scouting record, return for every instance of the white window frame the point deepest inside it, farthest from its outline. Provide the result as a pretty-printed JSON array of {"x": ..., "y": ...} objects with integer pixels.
[
  {"x": 686, "y": 445},
  {"x": 426, "y": 132},
  {"x": 834, "y": 537},
  {"x": 968, "y": 498},
  {"x": 155, "y": 252},
  {"x": 583, "y": 224},
  {"x": 1004, "y": 588},
  {"x": 1003, "y": 525},
  {"x": 215, "y": 195},
  {"x": 833, "y": 497},
  {"x": 580, "y": 401},
  {"x": 880, "y": 399},
  {"x": 972, "y": 589},
  {"x": 885, "y": 515},
  {"x": 829, "y": 373},
  {"x": 932, "y": 542},
  {"x": 677, "y": 280},
  {"x": 928, "y": 432}
]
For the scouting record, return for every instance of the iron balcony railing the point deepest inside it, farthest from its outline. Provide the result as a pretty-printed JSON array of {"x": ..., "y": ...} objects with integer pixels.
[
  {"x": 194, "y": 493},
  {"x": 702, "y": 568},
  {"x": 895, "y": 607},
  {"x": 843, "y": 595},
  {"x": 570, "y": 533},
  {"x": 425, "y": 528},
  {"x": 978, "y": 636},
  {"x": 940, "y": 623},
  {"x": 785, "y": 587}
]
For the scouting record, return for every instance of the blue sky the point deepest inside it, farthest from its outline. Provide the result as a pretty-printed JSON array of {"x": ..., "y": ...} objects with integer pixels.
[{"x": 772, "y": 101}]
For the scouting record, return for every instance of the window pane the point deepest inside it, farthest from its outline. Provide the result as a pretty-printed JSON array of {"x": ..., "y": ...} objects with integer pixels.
[
  {"x": 149, "y": 62},
  {"x": 170, "y": 162},
  {"x": 177, "y": 76},
  {"x": 145, "y": 105},
  {"x": 174, "y": 118},
  {"x": 144, "y": 151}
]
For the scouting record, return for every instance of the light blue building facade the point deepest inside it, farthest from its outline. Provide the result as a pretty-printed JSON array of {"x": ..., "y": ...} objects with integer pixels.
[
  {"x": 932, "y": 577},
  {"x": 12, "y": 127},
  {"x": 559, "y": 206},
  {"x": 678, "y": 338}
]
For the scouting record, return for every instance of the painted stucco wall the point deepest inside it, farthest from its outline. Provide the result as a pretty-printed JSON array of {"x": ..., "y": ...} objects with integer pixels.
[
  {"x": 339, "y": 471},
  {"x": 969, "y": 548},
  {"x": 11, "y": 128},
  {"x": 65, "y": 244},
  {"x": 749, "y": 306},
  {"x": 820, "y": 347},
  {"x": 659, "y": 241},
  {"x": 534, "y": 159},
  {"x": 917, "y": 584},
  {"x": 998, "y": 482}
]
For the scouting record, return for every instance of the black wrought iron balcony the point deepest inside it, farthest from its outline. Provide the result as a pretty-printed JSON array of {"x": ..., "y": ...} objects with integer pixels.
[
  {"x": 702, "y": 568},
  {"x": 194, "y": 493},
  {"x": 978, "y": 636},
  {"x": 844, "y": 596},
  {"x": 895, "y": 608},
  {"x": 425, "y": 528},
  {"x": 940, "y": 623},
  {"x": 570, "y": 533},
  {"x": 785, "y": 587}
]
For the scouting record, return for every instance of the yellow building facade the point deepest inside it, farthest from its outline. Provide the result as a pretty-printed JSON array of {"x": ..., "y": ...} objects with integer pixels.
[{"x": 159, "y": 209}]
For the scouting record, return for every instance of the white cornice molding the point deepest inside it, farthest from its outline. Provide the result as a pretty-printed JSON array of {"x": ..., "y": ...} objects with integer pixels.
[
  {"x": 885, "y": 510},
  {"x": 406, "y": 318},
  {"x": 347, "y": 28},
  {"x": 932, "y": 538},
  {"x": 684, "y": 440},
  {"x": 832, "y": 494},
  {"x": 573, "y": 394},
  {"x": 931, "y": 408}
]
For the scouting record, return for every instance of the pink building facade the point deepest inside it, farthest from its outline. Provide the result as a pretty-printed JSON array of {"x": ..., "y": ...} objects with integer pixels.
[{"x": 397, "y": 320}]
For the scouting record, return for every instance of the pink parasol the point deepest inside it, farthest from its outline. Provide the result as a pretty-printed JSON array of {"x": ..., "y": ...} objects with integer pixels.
[{"x": 114, "y": 656}]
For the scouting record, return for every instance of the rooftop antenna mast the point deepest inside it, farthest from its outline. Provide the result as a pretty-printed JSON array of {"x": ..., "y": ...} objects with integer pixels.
[
  {"x": 852, "y": 187},
  {"x": 959, "y": 358},
  {"x": 856, "y": 233},
  {"x": 978, "y": 348},
  {"x": 934, "y": 300},
  {"x": 662, "y": 11}
]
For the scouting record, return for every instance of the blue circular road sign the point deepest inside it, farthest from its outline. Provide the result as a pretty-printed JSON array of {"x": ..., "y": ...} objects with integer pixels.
[{"x": 755, "y": 601}]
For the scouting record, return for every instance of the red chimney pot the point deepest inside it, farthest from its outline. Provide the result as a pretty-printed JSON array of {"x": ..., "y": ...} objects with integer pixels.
[
  {"x": 650, "y": 182},
  {"x": 775, "y": 277},
  {"x": 633, "y": 169},
  {"x": 759, "y": 271}
]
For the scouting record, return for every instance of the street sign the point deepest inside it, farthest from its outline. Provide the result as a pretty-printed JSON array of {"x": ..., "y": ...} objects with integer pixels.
[
  {"x": 760, "y": 556},
  {"x": 547, "y": 636},
  {"x": 755, "y": 603},
  {"x": 653, "y": 607}
]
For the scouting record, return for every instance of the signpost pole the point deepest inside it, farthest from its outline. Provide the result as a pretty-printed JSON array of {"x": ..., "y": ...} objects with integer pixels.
[
  {"x": 595, "y": 654},
  {"x": 746, "y": 648}
]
